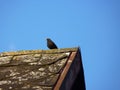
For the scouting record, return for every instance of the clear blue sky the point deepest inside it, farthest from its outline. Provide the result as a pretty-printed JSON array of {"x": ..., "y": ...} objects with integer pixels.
[{"x": 94, "y": 25}]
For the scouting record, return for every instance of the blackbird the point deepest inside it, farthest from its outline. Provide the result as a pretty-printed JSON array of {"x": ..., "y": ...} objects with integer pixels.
[{"x": 51, "y": 44}]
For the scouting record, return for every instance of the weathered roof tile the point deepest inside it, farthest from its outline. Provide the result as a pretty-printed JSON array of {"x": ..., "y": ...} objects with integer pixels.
[{"x": 32, "y": 69}]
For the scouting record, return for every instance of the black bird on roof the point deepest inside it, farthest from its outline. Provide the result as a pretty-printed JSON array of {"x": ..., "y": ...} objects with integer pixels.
[{"x": 51, "y": 44}]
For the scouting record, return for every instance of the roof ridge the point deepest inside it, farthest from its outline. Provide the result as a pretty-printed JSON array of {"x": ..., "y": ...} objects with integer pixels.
[{"x": 24, "y": 52}]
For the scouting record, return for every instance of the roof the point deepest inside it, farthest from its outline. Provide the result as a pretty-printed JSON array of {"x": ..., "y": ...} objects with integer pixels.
[{"x": 35, "y": 69}]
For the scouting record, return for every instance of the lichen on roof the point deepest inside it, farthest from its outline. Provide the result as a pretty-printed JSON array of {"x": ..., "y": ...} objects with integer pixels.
[
  {"x": 23, "y": 52},
  {"x": 32, "y": 69}
]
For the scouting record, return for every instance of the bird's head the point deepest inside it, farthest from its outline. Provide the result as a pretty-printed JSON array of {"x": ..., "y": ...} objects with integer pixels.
[{"x": 48, "y": 39}]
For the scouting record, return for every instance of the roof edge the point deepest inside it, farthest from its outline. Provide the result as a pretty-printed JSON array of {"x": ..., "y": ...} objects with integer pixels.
[{"x": 24, "y": 52}]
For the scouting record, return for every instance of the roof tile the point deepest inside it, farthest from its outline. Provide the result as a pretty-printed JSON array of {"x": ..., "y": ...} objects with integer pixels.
[{"x": 32, "y": 69}]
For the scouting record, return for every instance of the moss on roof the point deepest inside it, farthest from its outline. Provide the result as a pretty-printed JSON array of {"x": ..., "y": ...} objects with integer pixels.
[
  {"x": 23, "y": 52},
  {"x": 32, "y": 69}
]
